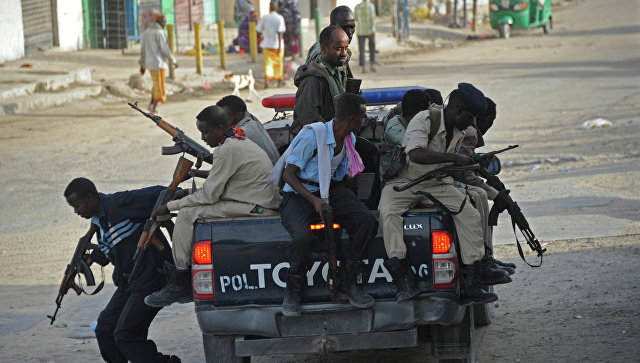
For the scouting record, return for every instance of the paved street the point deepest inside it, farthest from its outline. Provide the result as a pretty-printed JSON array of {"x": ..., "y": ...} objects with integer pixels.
[{"x": 572, "y": 184}]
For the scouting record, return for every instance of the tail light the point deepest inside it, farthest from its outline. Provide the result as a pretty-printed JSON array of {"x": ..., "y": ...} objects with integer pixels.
[
  {"x": 445, "y": 260},
  {"x": 315, "y": 227},
  {"x": 202, "y": 271}
]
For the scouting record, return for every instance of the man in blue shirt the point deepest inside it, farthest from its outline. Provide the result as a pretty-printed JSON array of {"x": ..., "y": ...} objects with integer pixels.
[
  {"x": 302, "y": 203},
  {"x": 123, "y": 325}
]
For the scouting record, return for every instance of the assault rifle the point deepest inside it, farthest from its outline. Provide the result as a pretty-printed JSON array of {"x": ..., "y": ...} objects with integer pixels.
[
  {"x": 517, "y": 217},
  {"x": 440, "y": 172},
  {"x": 78, "y": 264},
  {"x": 184, "y": 144},
  {"x": 327, "y": 217},
  {"x": 148, "y": 236}
]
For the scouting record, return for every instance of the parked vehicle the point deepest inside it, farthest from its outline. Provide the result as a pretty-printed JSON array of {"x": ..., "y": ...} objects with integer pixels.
[
  {"x": 239, "y": 272},
  {"x": 519, "y": 14}
]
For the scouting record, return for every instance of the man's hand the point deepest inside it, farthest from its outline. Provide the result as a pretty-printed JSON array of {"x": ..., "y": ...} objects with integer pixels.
[
  {"x": 179, "y": 194},
  {"x": 373, "y": 36},
  {"x": 162, "y": 210},
  {"x": 503, "y": 200},
  {"x": 142, "y": 70},
  {"x": 463, "y": 159},
  {"x": 317, "y": 205},
  {"x": 175, "y": 65}
]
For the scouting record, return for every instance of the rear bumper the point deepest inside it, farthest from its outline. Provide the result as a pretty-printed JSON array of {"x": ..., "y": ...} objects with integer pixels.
[{"x": 330, "y": 318}]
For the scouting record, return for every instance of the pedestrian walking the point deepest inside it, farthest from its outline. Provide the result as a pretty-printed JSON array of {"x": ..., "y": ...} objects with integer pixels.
[
  {"x": 154, "y": 56},
  {"x": 365, "y": 13},
  {"x": 272, "y": 27},
  {"x": 290, "y": 11}
]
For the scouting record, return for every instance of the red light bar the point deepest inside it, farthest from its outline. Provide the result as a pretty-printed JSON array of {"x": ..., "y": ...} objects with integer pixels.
[
  {"x": 314, "y": 227},
  {"x": 281, "y": 101}
]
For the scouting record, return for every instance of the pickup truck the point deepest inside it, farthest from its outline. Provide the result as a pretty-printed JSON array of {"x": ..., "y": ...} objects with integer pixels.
[{"x": 239, "y": 271}]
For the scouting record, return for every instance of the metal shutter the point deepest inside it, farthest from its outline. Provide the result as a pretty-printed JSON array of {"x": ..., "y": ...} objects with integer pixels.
[{"x": 37, "y": 21}]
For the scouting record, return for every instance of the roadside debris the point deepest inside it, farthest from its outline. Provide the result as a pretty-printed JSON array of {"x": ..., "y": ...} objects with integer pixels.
[{"x": 596, "y": 123}]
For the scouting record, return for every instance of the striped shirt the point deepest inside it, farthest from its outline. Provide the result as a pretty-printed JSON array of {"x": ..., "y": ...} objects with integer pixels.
[{"x": 365, "y": 14}]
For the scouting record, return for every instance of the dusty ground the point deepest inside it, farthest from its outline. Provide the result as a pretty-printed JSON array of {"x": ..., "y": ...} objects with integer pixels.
[{"x": 582, "y": 305}]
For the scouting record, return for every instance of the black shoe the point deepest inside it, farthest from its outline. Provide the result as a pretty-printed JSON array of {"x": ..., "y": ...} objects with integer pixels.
[
  {"x": 477, "y": 296},
  {"x": 490, "y": 276},
  {"x": 401, "y": 278},
  {"x": 347, "y": 285},
  {"x": 493, "y": 263},
  {"x": 489, "y": 255},
  {"x": 177, "y": 290},
  {"x": 292, "y": 295}
]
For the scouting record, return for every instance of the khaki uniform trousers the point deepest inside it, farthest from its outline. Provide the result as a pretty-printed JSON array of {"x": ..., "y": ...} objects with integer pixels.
[
  {"x": 393, "y": 204},
  {"x": 182, "y": 238},
  {"x": 481, "y": 202}
]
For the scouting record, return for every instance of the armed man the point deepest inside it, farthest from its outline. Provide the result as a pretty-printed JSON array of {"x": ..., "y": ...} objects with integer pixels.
[
  {"x": 236, "y": 186},
  {"x": 427, "y": 151},
  {"x": 123, "y": 326},
  {"x": 319, "y": 157}
]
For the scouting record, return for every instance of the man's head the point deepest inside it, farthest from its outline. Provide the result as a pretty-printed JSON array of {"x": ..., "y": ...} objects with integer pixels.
[
  {"x": 160, "y": 19},
  {"x": 351, "y": 110},
  {"x": 343, "y": 17},
  {"x": 212, "y": 122},
  {"x": 414, "y": 101},
  {"x": 334, "y": 43},
  {"x": 466, "y": 104},
  {"x": 484, "y": 122},
  {"x": 273, "y": 5},
  {"x": 81, "y": 194},
  {"x": 234, "y": 107},
  {"x": 434, "y": 96}
]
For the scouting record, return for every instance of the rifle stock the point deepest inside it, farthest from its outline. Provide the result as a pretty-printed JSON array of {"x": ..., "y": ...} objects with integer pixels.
[{"x": 148, "y": 236}]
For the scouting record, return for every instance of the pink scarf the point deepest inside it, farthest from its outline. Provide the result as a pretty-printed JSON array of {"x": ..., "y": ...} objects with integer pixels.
[{"x": 355, "y": 162}]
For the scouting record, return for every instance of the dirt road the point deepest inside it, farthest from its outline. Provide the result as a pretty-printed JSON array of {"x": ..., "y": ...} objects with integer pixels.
[{"x": 581, "y": 305}]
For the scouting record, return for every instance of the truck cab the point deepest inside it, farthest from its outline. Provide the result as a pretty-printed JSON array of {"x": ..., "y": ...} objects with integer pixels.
[{"x": 239, "y": 269}]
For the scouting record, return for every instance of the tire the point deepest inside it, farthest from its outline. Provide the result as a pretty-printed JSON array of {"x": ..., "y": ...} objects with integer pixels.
[
  {"x": 221, "y": 349},
  {"x": 546, "y": 28},
  {"x": 455, "y": 343},
  {"x": 483, "y": 314},
  {"x": 505, "y": 30}
]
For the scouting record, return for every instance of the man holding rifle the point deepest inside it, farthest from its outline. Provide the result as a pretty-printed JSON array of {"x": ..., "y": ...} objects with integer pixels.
[
  {"x": 236, "y": 186},
  {"x": 319, "y": 157},
  {"x": 123, "y": 325},
  {"x": 425, "y": 154}
]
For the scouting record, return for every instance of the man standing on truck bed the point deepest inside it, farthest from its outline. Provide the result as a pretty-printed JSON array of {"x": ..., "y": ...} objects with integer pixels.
[
  {"x": 123, "y": 325},
  {"x": 343, "y": 17},
  {"x": 236, "y": 186},
  {"x": 424, "y": 154},
  {"x": 319, "y": 82},
  {"x": 318, "y": 150}
]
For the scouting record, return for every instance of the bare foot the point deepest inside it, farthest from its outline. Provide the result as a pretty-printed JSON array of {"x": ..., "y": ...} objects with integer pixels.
[
  {"x": 372, "y": 68},
  {"x": 364, "y": 70}
]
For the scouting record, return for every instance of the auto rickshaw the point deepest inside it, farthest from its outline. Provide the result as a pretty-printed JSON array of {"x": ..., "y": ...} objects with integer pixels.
[{"x": 520, "y": 14}]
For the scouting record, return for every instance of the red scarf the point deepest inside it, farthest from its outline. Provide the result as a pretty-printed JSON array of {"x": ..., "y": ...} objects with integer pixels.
[{"x": 234, "y": 132}]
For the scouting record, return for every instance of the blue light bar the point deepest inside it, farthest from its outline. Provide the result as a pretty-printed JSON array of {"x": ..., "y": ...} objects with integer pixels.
[{"x": 386, "y": 95}]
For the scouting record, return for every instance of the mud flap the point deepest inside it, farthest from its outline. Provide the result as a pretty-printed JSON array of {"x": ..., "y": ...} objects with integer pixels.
[{"x": 454, "y": 342}]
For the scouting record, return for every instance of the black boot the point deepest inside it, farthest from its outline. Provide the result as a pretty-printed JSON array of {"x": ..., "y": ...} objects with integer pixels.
[
  {"x": 490, "y": 276},
  {"x": 178, "y": 289},
  {"x": 348, "y": 287},
  {"x": 404, "y": 286},
  {"x": 496, "y": 265},
  {"x": 472, "y": 291},
  {"x": 489, "y": 254},
  {"x": 292, "y": 295}
]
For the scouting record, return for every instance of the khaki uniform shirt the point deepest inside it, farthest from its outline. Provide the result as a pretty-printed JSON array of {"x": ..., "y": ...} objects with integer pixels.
[
  {"x": 417, "y": 136},
  {"x": 240, "y": 172}
]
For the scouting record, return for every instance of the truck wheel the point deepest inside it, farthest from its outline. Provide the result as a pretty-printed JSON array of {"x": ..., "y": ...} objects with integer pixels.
[
  {"x": 505, "y": 30},
  {"x": 221, "y": 349},
  {"x": 454, "y": 343},
  {"x": 483, "y": 314}
]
